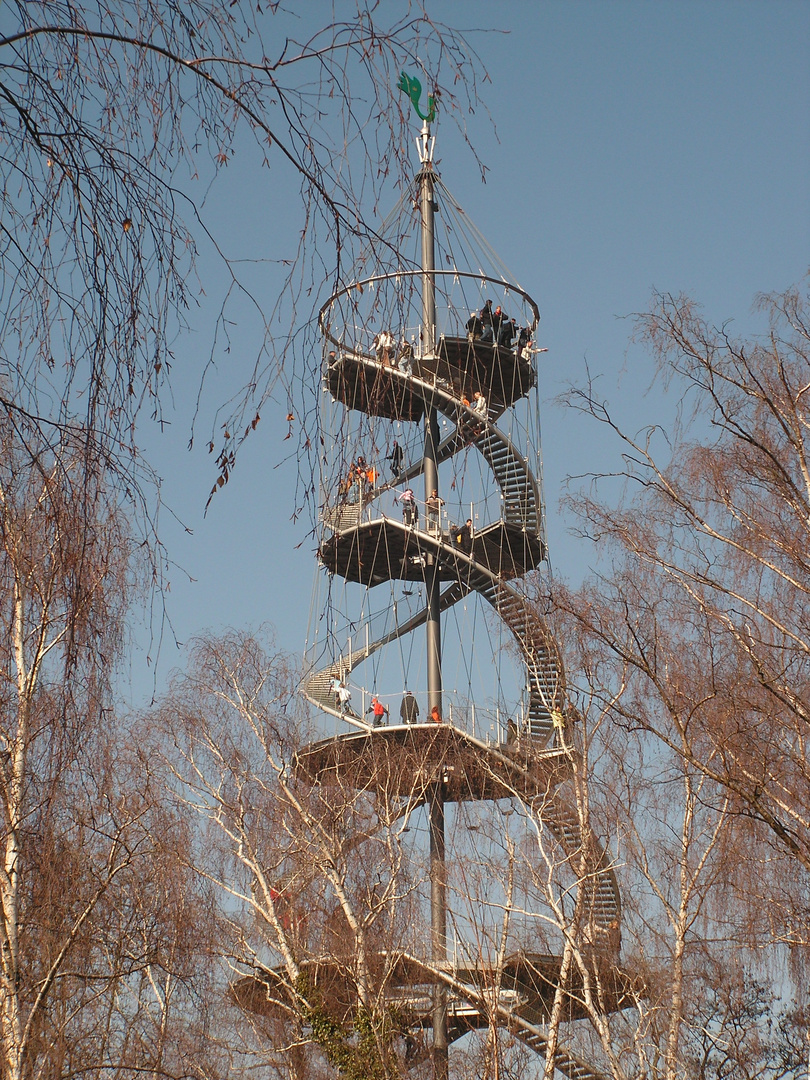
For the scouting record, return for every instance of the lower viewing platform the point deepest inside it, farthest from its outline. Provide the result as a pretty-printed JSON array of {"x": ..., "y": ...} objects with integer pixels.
[
  {"x": 527, "y": 984},
  {"x": 405, "y": 759}
]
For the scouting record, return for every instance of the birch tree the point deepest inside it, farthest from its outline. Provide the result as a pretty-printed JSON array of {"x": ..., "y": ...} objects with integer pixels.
[
  {"x": 80, "y": 913},
  {"x": 316, "y": 897},
  {"x": 680, "y": 986},
  {"x": 694, "y": 630}
]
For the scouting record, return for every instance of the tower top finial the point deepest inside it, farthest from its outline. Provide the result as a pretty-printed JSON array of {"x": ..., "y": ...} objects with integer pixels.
[{"x": 413, "y": 88}]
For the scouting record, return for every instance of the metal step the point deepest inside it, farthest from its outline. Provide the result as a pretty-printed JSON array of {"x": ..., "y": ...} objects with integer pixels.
[{"x": 564, "y": 1062}]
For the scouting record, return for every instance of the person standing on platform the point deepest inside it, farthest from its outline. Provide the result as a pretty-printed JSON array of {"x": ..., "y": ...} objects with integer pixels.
[
  {"x": 334, "y": 686},
  {"x": 344, "y": 696},
  {"x": 409, "y": 709},
  {"x": 396, "y": 457},
  {"x": 383, "y": 347},
  {"x": 433, "y": 506},
  {"x": 508, "y": 331},
  {"x": 498, "y": 319},
  {"x": 475, "y": 327},
  {"x": 378, "y": 710},
  {"x": 410, "y": 511},
  {"x": 405, "y": 358},
  {"x": 487, "y": 333},
  {"x": 465, "y": 537},
  {"x": 524, "y": 343},
  {"x": 479, "y": 406},
  {"x": 435, "y": 715},
  {"x": 357, "y": 480}
]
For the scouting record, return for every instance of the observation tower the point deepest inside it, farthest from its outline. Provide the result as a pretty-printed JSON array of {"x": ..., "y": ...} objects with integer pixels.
[{"x": 429, "y": 653}]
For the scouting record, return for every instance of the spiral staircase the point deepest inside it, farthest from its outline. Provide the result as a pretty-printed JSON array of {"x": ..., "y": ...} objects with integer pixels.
[{"x": 437, "y": 765}]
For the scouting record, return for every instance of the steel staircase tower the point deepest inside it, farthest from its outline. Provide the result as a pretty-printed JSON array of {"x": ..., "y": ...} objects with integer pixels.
[{"x": 362, "y": 544}]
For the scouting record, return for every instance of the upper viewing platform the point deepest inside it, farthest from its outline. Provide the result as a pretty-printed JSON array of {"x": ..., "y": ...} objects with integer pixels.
[
  {"x": 385, "y": 350},
  {"x": 379, "y": 364}
]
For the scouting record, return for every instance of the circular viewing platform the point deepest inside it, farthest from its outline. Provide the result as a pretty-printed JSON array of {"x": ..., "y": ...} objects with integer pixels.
[
  {"x": 385, "y": 549},
  {"x": 459, "y": 365},
  {"x": 406, "y": 758}
]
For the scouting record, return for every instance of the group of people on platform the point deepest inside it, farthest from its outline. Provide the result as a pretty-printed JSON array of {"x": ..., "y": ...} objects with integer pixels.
[
  {"x": 408, "y": 711},
  {"x": 497, "y": 328},
  {"x": 489, "y": 325},
  {"x": 478, "y": 403},
  {"x": 479, "y": 407},
  {"x": 359, "y": 481},
  {"x": 461, "y": 535},
  {"x": 393, "y": 353},
  {"x": 362, "y": 477},
  {"x": 494, "y": 327},
  {"x": 380, "y": 714}
]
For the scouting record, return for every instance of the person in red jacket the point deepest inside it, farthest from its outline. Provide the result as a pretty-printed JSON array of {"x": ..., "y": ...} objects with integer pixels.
[{"x": 379, "y": 710}]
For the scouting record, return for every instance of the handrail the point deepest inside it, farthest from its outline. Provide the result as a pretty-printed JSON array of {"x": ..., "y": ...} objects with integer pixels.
[{"x": 394, "y": 275}]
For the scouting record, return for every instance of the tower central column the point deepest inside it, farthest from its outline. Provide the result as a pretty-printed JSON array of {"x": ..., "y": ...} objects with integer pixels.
[
  {"x": 430, "y": 462},
  {"x": 435, "y": 799}
]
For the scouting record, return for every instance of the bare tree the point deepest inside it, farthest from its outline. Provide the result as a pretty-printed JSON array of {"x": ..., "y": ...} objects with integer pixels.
[
  {"x": 319, "y": 852},
  {"x": 107, "y": 112},
  {"x": 84, "y": 927},
  {"x": 695, "y": 634},
  {"x": 715, "y": 572},
  {"x": 681, "y": 998},
  {"x": 316, "y": 893}
]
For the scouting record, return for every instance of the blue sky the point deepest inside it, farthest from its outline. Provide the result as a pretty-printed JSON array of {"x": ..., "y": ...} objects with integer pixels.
[{"x": 637, "y": 145}]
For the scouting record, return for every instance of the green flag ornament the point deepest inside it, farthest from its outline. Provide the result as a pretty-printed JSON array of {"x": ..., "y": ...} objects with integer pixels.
[{"x": 413, "y": 88}]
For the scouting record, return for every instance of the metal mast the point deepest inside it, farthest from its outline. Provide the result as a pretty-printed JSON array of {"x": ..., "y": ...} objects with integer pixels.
[
  {"x": 427, "y": 207},
  {"x": 438, "y": 900}
]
